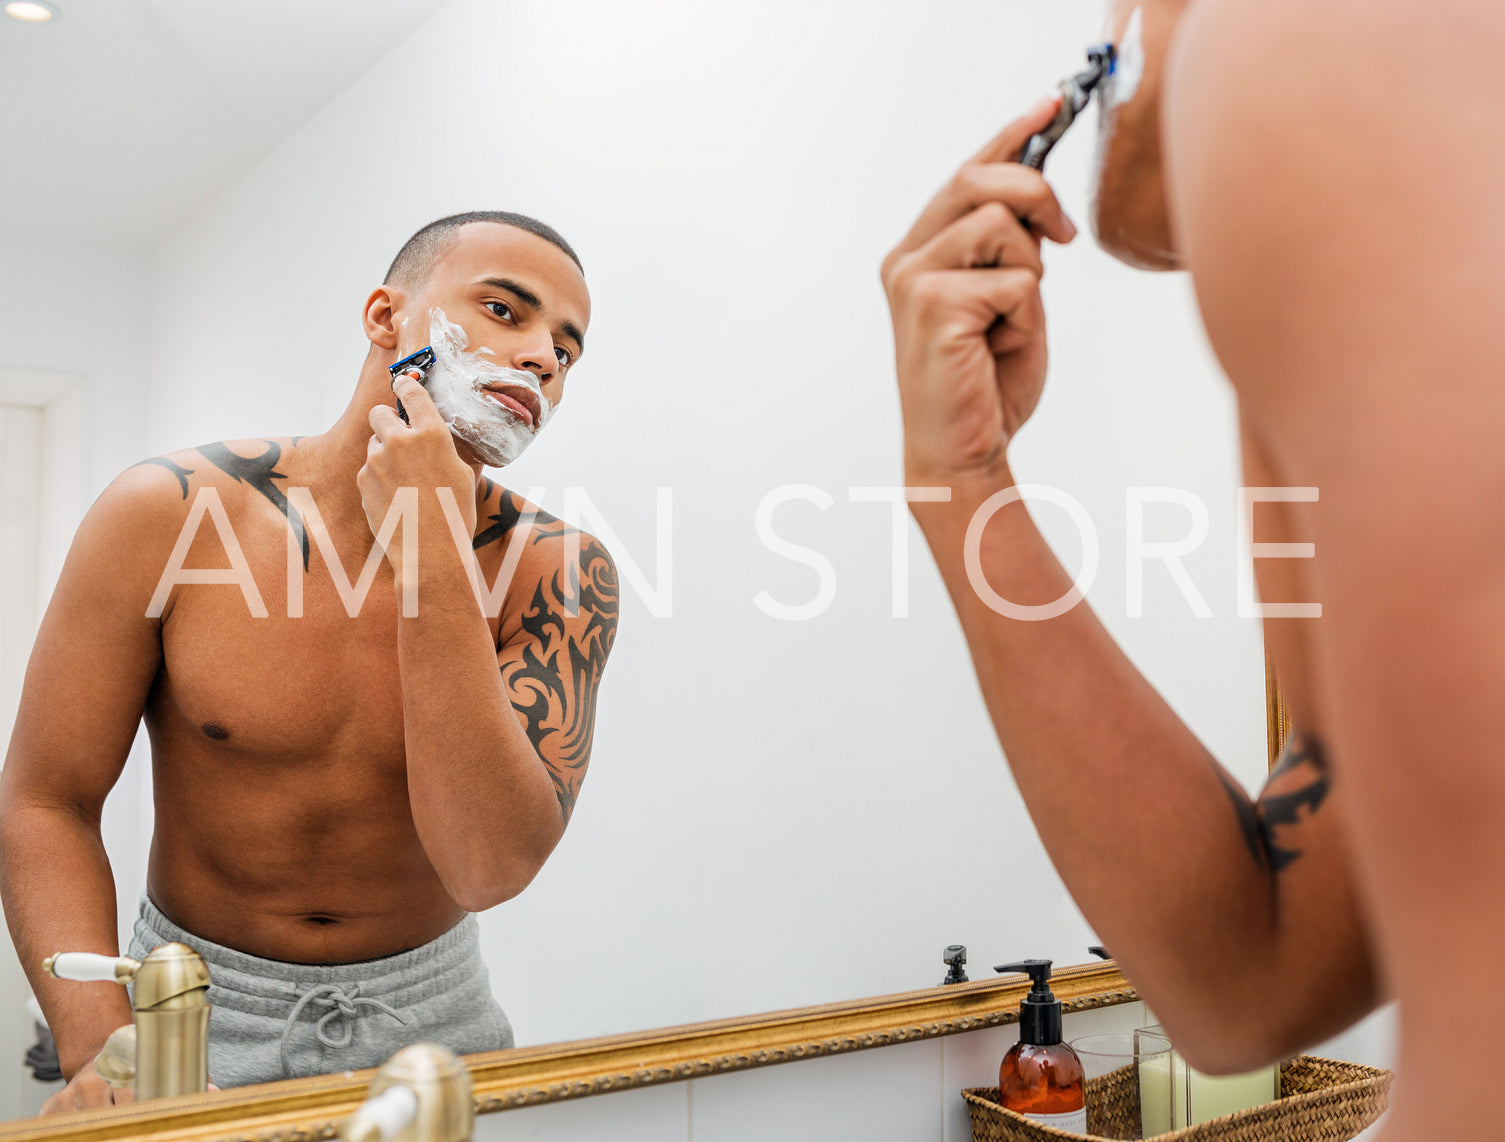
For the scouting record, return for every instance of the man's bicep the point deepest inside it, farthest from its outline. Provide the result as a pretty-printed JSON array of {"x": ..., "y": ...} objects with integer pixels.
[
  {"x": 94, "y": 658},
  {"x": 552, "y": 668}
]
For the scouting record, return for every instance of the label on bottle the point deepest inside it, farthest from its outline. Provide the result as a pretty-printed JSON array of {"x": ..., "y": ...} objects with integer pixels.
[{"x": 1073, "y": 1120}]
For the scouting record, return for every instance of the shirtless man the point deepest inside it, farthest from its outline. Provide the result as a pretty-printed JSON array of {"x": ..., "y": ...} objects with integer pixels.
[
  {"x": 1333, "y": 173},
  {"x": 331, "y": 788}
]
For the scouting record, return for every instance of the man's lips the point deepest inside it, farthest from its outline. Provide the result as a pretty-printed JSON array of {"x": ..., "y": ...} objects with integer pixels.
[{"x": 523, "y": 401}]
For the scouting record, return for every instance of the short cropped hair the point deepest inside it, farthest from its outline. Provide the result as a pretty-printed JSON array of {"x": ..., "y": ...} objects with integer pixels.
[{"x": 418, "y": 256}]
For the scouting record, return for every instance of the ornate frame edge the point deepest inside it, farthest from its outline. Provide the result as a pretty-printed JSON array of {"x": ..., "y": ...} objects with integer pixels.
[
  {"x": 310, "y": 1110},
  {"x": 1277, "y": 714}
]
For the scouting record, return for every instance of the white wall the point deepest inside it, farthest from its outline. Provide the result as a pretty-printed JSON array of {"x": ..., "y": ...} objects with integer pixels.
[
  {"x": 778, "y": 813},
  {"x": 82, "y": 311}
]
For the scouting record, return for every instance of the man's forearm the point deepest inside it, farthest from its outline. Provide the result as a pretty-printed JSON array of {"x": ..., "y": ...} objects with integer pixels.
[
  {"x": 483, "y": 802},
  {"x": 1134, "y": 813},
  {"x": 59, "y": 896}
]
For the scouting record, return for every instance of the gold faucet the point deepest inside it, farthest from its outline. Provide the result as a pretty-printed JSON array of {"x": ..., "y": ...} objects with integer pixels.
[
  {"x": 420, "y": 1094},
  {"x": 166, "y": 1049}
]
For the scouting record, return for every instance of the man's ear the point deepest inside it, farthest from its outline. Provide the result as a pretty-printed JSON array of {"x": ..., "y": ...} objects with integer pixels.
[{"x": 380, "y": 316}]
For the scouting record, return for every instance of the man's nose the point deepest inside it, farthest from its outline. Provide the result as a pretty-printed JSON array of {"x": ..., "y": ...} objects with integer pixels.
[{"x": 537, "y": 359}]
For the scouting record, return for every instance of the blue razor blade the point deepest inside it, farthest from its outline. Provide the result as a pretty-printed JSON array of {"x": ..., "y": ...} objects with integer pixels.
[{"x": 421, "y": 361}]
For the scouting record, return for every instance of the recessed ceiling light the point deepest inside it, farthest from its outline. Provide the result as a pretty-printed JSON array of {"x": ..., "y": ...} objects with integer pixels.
[{"x": 30, "y": 11}]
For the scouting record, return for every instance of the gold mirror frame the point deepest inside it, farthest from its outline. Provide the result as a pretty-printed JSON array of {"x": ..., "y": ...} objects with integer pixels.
[
  {"x": 1277, "y": 714},
  {"x": 305, "y": 1110}
]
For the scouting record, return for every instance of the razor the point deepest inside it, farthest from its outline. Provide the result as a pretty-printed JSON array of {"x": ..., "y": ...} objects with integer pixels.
[
  {"x": 420, "y": 362},
  {"x": 1076, "y": 93}
]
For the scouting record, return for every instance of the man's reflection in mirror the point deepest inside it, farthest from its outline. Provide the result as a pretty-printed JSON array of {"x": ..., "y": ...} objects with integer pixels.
[{"x": 370, "y": 721}]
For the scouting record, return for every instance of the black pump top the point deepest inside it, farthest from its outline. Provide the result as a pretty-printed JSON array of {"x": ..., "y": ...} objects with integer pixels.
[{"x": 1040, "y": 1013}]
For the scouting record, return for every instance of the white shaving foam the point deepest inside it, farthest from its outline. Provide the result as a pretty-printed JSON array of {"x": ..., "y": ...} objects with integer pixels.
[
  {"x": 1128, "y": 67},
  {"x": 457, "y": 381}
]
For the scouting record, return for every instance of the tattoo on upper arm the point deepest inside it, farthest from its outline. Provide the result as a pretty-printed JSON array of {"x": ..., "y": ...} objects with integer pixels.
[
  {"x": 572, "y": 619},
  {"x": 1303, "y": 753},
  {"x": 177, "y": 470},
  {"x": 259, "y": 472},
  {"x": 1259, "y": 821}
]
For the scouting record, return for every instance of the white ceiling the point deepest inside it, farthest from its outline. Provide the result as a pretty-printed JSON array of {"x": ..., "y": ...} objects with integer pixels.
[{"x": 121, "y": 117}]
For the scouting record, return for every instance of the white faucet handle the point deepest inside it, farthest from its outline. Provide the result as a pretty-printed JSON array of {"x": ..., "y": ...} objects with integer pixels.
[
  {"x": 384, "y": 1116},
  {"x": 89, "y": 967}
]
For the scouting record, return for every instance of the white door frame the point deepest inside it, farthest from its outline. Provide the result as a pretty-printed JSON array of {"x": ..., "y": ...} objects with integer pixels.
[{"x": 60, "y": 396}]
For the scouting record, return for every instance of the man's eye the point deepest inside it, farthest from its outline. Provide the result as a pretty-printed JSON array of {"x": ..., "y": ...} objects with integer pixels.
[
  {"x": 564, "y": 357},
  {"x": 506, "y": 310}
]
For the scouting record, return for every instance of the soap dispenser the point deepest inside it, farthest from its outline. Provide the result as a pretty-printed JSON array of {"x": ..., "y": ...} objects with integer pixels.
[{"x": 1041, "y": 1077}]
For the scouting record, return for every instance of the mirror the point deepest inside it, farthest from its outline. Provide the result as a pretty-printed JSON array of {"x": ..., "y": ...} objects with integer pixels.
[{"x": 795, "y": 796}]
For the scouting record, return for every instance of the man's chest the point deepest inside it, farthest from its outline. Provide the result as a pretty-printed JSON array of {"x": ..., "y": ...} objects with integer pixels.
[
  {"x": 281, "y": 685},
  {"x": 292, "y": 657}
]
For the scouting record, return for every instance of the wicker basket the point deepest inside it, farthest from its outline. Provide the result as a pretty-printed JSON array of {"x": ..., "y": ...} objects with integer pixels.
[{"x": 1321, "y": 1100}]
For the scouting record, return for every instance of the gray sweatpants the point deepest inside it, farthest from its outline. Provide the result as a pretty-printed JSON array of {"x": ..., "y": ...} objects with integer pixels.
[{"x": 270, "y": 1020}]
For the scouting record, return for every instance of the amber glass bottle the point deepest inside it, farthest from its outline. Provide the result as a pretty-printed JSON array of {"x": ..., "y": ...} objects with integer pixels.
[{"x": 1041, "y": 1077}]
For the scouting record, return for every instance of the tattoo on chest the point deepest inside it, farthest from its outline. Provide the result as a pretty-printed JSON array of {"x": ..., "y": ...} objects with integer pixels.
[
  {"x": 1303, "y": 773},
  {"x": 258, "y": 472},
  {"x": 572, "y": 619}
]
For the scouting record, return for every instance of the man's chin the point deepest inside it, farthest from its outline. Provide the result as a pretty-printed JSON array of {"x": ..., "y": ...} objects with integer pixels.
[
  {"x": 1141, "y": 256},
  {"x": 1129, "y": 215},
  {"x": 1139, "y": 244}
]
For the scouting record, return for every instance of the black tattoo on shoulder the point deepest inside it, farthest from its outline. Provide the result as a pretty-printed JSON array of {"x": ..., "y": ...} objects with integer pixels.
[
  {"x": 509, "y": 512},
  {"x": 259, "y": 472},
  {"x": 176, "y": 469},
  {"x": 1259, "y": 821},
  {"x": 554, "y": 685}
]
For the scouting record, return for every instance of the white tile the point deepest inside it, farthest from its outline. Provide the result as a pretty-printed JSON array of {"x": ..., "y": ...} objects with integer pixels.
[
  {"x": 652, "y": 1114},
  {"x": 972, "y": 1059},
  {"x": 966, "y": 1061},
  {"x": 887, "y": 1094}
]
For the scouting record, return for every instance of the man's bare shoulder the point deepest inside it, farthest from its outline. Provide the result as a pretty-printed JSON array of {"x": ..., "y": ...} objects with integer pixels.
[
  {"x": 128, "y": 533},
  {"x": 1333, "y": 171},
  {"x": 139, "y": 516},
  {"x": 252, "y": 464},
  {"x": 148, "y": 499}
]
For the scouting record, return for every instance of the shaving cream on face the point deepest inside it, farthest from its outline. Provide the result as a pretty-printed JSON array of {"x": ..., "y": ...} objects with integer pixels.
[
  {"x": 457, "y": 383},
  {"x": 1128, "y": 66}
]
